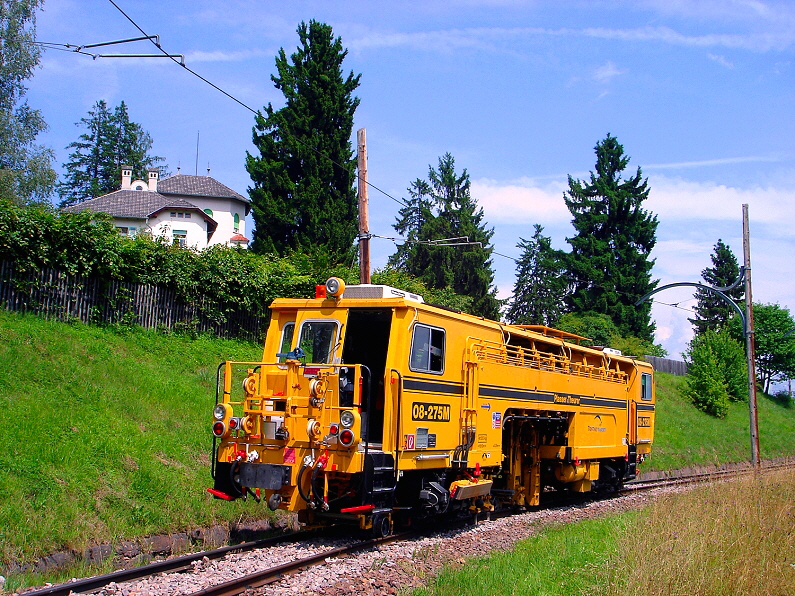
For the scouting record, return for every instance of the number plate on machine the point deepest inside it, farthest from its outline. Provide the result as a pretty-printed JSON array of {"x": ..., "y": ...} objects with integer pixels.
[{"x": 422, "y": 411}]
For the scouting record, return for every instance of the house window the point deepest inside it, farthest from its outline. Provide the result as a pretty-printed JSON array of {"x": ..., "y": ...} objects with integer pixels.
[
  {"x": 237, "y": 223},
  {"x": 427, "y": 349},
  {"x": 180, "y": 215},
  {"x": 132, "y": 231},
  {"x": 180, "y": 238},
  {"x": 138, "y": 187},
  {"x": 187, "y": 216},
  {"x": 123, "y": 231},
  {"x": 173, "y": 214}
]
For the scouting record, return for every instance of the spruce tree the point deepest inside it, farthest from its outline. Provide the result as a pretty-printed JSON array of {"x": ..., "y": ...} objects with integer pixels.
[
  {"x": 303, "y": 195},
  {"x": 540, "y": 286},
  {"x": 712, "y": 312},
  {"x": 111, "y": 140},
  {"x": 441, "y": 209},
  {"x": 26, "y": 174},
  {"x": 609, "y": 263}
]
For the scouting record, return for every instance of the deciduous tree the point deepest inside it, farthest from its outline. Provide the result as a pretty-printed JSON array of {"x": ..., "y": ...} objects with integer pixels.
[
  {"x": 774, "y": 343},
  {"x": 303, "y": 195},
  {"x": 26, "y": 174},
  {"x": 609, "y": 261}
]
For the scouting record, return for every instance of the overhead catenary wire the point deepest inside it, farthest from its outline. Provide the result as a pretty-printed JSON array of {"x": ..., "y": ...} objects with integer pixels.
[{"x": 246, "y": 106}]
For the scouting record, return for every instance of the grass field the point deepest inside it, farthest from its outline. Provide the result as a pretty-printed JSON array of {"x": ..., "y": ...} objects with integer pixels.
[
  {"x": 105, "y": 434},
  {"x": 685, "y": 437}
]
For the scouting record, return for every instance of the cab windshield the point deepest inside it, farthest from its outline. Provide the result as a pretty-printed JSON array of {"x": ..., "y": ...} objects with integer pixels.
[{"x": 317, "y": 341}]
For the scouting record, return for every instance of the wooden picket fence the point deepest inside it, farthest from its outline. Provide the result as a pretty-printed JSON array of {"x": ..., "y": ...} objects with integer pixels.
[
  {"x": 666, "y": 365},
  {"x": 54, "y": 294}
]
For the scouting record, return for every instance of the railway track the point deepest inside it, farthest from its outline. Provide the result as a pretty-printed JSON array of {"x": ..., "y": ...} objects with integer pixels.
[{"x": 277, "y": 572}]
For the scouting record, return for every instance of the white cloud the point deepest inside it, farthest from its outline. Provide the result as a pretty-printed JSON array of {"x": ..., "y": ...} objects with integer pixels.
[
  {"x": 500, "y": 39},
  {"x": 720, "y": 60},
  {"x": 606, "y": 72},
  {"x": 521, "y": 201},
  {"x": 684, "y": 200},
  {"x": 220, "y": 56}
]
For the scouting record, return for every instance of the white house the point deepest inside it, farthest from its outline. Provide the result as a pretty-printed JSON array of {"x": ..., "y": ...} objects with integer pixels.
[{"x": 192, "y": 211}]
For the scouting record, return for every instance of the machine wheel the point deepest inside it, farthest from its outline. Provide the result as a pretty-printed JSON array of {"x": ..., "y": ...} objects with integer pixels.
[{"x": 382, "y": 526}]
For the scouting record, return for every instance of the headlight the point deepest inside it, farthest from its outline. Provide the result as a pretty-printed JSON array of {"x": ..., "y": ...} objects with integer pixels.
[
  {"x": 219, "y": 412},
  {"x": 347, "y": 419},
  {"x": 335, "y": 287}
]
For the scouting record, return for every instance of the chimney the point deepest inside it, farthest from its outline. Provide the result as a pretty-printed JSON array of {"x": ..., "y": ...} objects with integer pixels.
[
  {"x": 153, "y": 176},
  {"x": 126, "y": 177}
]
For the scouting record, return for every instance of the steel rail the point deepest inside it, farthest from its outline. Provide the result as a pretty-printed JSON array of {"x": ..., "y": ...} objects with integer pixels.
[
  {"x": 170, "y": 565},
  {"x": 273, "y": 574}
]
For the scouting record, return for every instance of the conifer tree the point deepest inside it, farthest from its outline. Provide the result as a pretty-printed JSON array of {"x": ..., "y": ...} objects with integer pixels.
[
  {"x": 303, "y": 195},
  {"x": 26, "y": 174},
  {"x": 609, "y": 263},
  {"x": 540, "y": 287},
  {"x": 712, "y": 312},
  {"x": 111, "y": 140},
  {"x": 442, "y": 208}
]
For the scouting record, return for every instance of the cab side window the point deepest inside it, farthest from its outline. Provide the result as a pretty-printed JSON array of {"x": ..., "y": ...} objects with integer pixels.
[
  {"x": 427, "y": 349},
  {"x": 287, "y": 339},
  {"x": 645, "y": 386}
]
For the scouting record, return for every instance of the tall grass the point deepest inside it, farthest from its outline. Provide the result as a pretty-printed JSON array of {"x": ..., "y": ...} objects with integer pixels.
[
  {"x": 732, "y": 538},
  {"x": 105, "y": 434}
]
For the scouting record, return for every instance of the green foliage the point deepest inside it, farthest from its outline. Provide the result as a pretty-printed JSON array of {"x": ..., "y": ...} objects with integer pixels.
[
  {"x": 442, "y": 208},
  {"x": 26, "y": 174},
  {"x": 540, "y": 286},
  {"x": 601, "y": 330},
  {"x": 774, "y": 343},
  {"x": 221, "y": 280},
  {"x": 111, "y": 141},
  {"x": 712, "y": 312},
  {"x": 303, "y": 197},
  {"x": 716, "y": 372},
  {"x": 609, "y": 262}
]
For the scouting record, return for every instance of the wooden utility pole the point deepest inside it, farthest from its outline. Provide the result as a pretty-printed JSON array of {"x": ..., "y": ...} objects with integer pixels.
[
  {"x": 364, "y": 216},
  {"x": 749, "y": 342}
]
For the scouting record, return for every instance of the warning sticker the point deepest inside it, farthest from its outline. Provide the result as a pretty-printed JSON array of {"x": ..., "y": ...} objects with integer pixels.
[
  {"x": 496, "y": 420},
  {"x": 289, "y": 455},
  {"x": 409, "y": 441}
]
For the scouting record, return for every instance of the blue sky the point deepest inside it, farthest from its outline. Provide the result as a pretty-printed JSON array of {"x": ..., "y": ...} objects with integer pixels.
[{"x": 701, "y": 95}]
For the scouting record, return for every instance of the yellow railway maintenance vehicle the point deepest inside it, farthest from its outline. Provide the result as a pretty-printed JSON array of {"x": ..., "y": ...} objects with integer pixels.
[{"x": 372, "y": 407}]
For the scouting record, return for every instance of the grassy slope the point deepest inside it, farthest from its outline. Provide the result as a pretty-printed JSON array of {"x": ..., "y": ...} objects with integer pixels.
[
  {"x": 105, "y": 434},
  {"x": 686, "y": 437}
]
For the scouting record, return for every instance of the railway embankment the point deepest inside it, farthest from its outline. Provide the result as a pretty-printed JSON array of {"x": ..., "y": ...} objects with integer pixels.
[{"x": 107, "y": 439}]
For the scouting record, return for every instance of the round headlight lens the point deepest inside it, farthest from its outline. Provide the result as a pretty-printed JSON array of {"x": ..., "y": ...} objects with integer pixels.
[
  {"x": 335, "y": 287},
  {"x": 347, "y": 419},
  {"x": 219, "y": 412}
]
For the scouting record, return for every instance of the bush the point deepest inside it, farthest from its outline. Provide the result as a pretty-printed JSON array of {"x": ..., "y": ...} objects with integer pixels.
[
  {"x": 717, "y": 372},
  {"x": 219, "y": 280}
]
